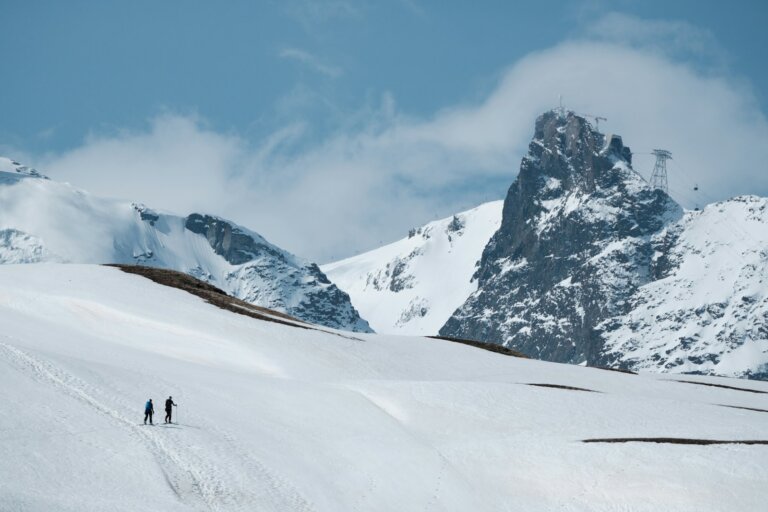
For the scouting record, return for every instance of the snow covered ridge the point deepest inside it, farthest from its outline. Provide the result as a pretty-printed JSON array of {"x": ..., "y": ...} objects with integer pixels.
[
  {"x": 412, "y": 286},
  {"x": 11, "y": 166},
  {"x": 591, "y": 266},
  {"x": 277, "y": 418},
  {"x": 43, "y": 220},
  {"x": 708, "y": 313}
]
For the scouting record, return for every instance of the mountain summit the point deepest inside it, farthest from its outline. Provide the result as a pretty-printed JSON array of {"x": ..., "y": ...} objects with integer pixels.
[
  {"x": 573, "y": 245},
  {"x": 582, "y": 238}
]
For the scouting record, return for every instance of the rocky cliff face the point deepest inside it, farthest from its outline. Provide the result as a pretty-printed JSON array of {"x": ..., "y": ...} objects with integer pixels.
[
  {"x": 579, "y": 235},
  {"x": 264, "y": 274}
]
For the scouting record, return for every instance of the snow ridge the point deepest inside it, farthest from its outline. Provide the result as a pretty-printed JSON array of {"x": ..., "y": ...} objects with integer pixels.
[
  {"x": 42, "y": 220},
  {"x": 709, "y": 312},
  {"x": 412, "y": 286}
]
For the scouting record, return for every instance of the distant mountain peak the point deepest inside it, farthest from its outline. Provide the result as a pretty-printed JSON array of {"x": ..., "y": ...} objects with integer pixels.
[
  {"x": 413, "y": 285},
  {"x": 45, "y": 221}
]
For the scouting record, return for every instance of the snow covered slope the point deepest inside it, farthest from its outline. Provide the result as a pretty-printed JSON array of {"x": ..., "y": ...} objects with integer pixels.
[
  {"x": 709, "y": 312},
  {"x": 412, "y": 286},
  {"x": 44, "y": 220},
  {"x": 276, "y": 418}
]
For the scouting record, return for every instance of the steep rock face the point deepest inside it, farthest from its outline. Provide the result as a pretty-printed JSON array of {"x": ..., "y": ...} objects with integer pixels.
[
  {"x": 578, "y": 235},
  {"x": 228, "y": 241},
  {"x": 42, "y": 220}
]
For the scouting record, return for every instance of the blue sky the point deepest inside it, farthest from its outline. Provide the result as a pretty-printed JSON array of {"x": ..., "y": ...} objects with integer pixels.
[{"x": 332, "y": 126}]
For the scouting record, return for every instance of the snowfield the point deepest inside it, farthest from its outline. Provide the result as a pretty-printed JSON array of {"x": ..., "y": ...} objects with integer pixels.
[
  {"x": 278, "y": 418},
  {"x": 414, "y": 285}
]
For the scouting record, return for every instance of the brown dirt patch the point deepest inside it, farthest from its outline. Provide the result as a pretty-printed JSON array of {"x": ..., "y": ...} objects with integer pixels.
[
  {"x": 217, "y": 297},
  {"x": 745, "y": 408},
  {"x": 719, "y": 386},
  {"x": 560, "y": 386},
  {"x": 499, "y": 349},
  {"x": 620, "y": 370},
  {"x": 674, "y": 440}
]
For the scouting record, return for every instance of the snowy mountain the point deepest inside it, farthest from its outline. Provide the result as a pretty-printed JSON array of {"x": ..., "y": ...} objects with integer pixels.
[
  {"x": 708, "y": 312},
  {"x": 592, "y": 266},
  {"x": 412, "y": 286},
  {"x": 274, "y": 417},
  {"x": 42, "y": 220}
]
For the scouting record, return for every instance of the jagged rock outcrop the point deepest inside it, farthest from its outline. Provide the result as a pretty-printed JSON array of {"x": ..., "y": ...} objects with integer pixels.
[
  {"x": 578, "y": 236},
  {"x": 592, "y": 266}
]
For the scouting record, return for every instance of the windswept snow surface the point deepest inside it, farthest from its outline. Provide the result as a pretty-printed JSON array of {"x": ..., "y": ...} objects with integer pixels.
[
  {"x": 277, "y": 418},
  {"x": 414, "y": 285}
]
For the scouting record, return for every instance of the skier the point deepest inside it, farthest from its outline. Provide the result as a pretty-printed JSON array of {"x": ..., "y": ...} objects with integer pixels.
[
  {"x": 169, "y": 405},
  {"x": 149, "y": 410}
]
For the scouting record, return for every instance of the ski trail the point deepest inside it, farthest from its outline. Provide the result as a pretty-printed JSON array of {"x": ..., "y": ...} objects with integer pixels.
[
  {"x": 438, "y": 481},
  {"x": 277, "y": 488},
  {"x": 266, "y": 485},
  {"x": 187, "y": 478}
]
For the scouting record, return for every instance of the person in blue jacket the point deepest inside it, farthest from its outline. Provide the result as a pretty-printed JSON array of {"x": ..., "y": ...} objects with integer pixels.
[{"x": 149, "y": 410}]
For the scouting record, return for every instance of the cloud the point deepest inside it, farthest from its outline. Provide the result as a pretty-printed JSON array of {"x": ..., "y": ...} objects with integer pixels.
[
  {"x": 310, "y": 61},
  {"x": 176, "y": 163},
  {"x": 673, "y": 38},
  {"x": 385, "y": 171}
]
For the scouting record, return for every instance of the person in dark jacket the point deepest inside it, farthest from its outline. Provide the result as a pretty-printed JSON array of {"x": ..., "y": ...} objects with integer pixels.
[
  {"x": 169, "y": 405},
  {"x": 149, "y": 410}
]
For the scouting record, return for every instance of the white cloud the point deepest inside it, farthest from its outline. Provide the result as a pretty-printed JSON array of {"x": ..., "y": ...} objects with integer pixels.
[
  {"x": 367, "y": 185},
  {"x": 670, "y": 37},
  {"x": 310, "y": 61}
]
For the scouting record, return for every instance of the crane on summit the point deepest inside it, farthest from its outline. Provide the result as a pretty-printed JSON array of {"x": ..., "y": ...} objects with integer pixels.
[
  {"x": 597, "y": 120},
  {"x": 562, "y": 110}
]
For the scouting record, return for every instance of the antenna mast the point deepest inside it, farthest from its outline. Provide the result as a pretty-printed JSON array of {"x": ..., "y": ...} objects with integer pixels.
[{"x": 659, "y": 175}]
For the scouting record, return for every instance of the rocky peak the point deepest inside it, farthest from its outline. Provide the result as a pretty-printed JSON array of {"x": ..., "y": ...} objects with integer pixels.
[
  {"x": 575, "y": 240},
  {"x": 233, "y": 243},
  {"x": 567, "y": 148}
]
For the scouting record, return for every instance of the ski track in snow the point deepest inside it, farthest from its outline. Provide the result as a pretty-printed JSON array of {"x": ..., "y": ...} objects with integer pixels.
[
  {"x": 278, "y": 489},
  {"x": 438, "y": 482},
  {"x": 194, "y": 480},
  {"x": 444, "y": 466}
]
